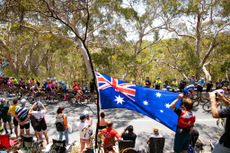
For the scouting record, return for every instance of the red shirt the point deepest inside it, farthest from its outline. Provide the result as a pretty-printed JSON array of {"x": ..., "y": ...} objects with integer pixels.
[
  {"x": 186, "y": 119},
  {"x": 109, "y": 136}
]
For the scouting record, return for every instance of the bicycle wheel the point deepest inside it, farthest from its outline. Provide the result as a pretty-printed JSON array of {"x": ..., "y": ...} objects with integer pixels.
[
  {"x": 129, "y": 150},
  {"x": 196, "y": 103},
  {"x": 207, "y": 106}
]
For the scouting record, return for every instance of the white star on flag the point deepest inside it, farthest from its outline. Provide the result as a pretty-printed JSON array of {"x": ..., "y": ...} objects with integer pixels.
[
  {"x": 167, "y": 105},
  {"x": 161, "y": 111},
  {"x": 145, "y": 102},
  {"x": 119, "y": 99},
  {"x": 158, "y": 94}
]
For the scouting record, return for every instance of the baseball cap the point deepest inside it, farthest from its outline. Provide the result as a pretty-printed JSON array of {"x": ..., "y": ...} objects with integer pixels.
[
  {"x": 82, "y": 117},
  {"x": 23, "y": 101}
]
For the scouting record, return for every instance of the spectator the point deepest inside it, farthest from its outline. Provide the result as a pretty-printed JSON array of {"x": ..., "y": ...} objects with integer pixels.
[
  {"x": 209, "y": 87},
  {"x": 38, "y": 111},
  {"x": 6, "y": 117},
  {"x": 109, "y": 135},
  {"x": 200, "y": 85},
  {"x": 186, "y": 121},
  {"x": 156, "y": 142},
  {"x": 182, "y": 84},
  {"x": 89, "y": 118},
  {"x": 103, "y": 123},
  {"x": 174, "y": 85},
  {"x": 85, "y": 133},
  {"x": 158, "y": 83},
  {"x": 224, "y": 144},
  {"x": 147, "y": 82},
  {"x": 156, "y": 133},
  {"x": 12, "y": 111},
  {"x": 62, "y": 124},
  {"x": 128, "y": 134},
  {"x": 22, "y": 116}
]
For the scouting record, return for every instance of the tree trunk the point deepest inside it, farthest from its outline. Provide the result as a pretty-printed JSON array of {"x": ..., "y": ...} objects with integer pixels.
[
  {"x": 85, "y": 57},
  {"x": 207, "y": 74}
]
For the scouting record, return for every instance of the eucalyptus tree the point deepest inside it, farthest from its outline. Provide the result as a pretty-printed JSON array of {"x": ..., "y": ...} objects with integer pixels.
[{"x": 199, "y": 22}]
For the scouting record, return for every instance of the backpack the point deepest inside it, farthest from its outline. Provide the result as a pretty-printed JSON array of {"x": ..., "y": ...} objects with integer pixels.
[{"x": 60, "y": 123}]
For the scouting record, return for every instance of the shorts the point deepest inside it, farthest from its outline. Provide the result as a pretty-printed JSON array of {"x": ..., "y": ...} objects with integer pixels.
[
  {"x": 6, "y": 118},
  {"x": 15, "y": 122},
  {"x": 25, "y": 126},
  {"x": 181, "y": 141},
  {"x": 41, "y": 126}
]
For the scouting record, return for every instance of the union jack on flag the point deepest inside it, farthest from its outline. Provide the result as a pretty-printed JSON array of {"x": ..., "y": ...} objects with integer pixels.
[
  {"x": 114, "y": 93},
  {"x": 119, "y": 86}
]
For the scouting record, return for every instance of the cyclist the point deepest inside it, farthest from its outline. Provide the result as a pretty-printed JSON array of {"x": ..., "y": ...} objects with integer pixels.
[
  {"x": 77, "y": 90},
  {"x": 188, "y": 91},
  {"x": 15, "y": 82},
  {"x": 63, "y": 87},
  {"x": 224, "y": 144}
]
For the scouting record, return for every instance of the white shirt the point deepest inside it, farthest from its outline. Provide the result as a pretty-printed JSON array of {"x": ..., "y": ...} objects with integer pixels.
[
  {"x": 85, "y": 130},
  {"x": 39, "y": 114}
]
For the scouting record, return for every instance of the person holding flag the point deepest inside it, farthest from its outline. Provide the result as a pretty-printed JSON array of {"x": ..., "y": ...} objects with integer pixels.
[{"x": 186, "y": 120}]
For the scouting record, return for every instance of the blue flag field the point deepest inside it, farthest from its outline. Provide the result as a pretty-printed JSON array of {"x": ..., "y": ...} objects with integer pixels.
[{"x": 153, "y": 103}]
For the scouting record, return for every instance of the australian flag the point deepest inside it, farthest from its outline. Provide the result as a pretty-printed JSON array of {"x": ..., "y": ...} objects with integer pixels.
[{"x": 155, "y": 104}]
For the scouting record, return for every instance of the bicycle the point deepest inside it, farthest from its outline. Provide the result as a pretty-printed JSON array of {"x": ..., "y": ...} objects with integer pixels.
[{"x": 198, "y": 100}]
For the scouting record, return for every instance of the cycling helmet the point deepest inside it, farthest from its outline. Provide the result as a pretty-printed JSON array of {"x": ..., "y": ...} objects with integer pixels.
[{"x": 187, "y": 90}]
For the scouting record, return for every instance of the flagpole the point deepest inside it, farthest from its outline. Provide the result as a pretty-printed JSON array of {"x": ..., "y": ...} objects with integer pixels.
[{"x": 89, "y": 60}]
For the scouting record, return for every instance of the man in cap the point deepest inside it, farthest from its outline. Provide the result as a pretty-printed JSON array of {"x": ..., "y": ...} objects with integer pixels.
[
  {"x": 22, "y": 116},
  {"x": 85, "y": 132}
]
